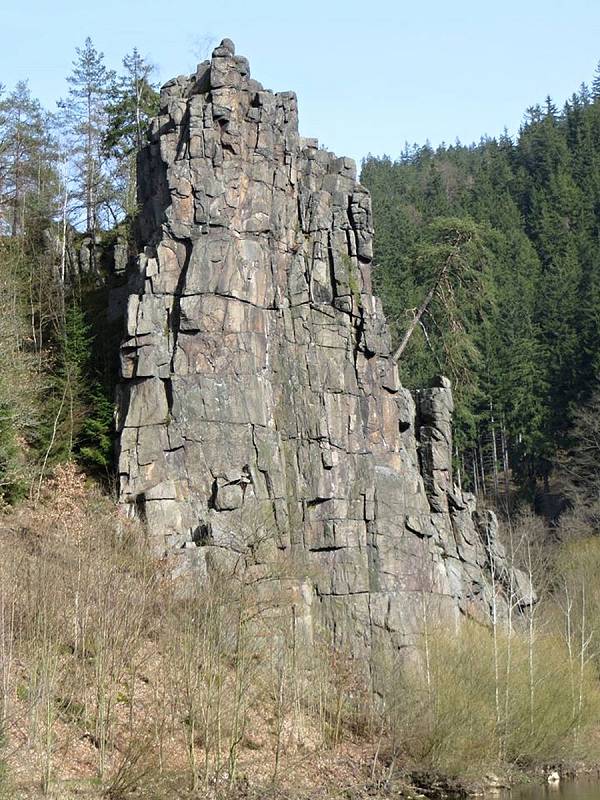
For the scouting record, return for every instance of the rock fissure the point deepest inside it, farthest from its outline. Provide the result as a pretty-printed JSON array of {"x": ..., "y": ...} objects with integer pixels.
[{"x": 260, "y": 410}]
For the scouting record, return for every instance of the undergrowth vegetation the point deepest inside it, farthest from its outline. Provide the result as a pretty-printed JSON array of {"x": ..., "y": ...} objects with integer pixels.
[
  {"x": 117, "y": 680},
  {"x": 114, "y": 676},
  {"x": 478, "y": 709}
]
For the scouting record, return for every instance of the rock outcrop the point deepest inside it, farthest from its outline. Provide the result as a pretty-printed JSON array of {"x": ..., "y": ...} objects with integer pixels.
[{"x": 260, "y": 409}]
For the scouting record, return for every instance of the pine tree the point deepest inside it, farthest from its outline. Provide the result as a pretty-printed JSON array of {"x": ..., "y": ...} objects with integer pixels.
[
  {"x": 132, "y": 102},
  {"x": 26, "y": 155},
  {"x": 85, "y": 124}
]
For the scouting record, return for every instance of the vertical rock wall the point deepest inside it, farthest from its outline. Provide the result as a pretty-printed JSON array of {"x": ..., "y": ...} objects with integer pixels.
[{"x": 260, "y": 410}]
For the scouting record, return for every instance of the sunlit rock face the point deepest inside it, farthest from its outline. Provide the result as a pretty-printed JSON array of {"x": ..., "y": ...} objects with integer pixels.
[{"x": 260, "y": 411}]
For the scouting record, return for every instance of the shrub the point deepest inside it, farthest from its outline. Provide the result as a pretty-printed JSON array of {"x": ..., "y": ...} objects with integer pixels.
[{"x": 479, "y": 706}]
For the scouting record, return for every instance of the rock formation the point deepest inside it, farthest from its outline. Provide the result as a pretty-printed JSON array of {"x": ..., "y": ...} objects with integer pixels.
[{"x": 259, "y": 405}]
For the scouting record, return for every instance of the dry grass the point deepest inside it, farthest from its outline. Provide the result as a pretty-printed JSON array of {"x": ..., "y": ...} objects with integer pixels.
[
  {"x": 115, "y": 678},
  {"x": 117, "y": 681},
  {"x": 458, "y": 724}
]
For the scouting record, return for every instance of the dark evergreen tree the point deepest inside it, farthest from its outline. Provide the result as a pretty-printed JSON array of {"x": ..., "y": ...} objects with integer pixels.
[
  {"x": 538, "y": 342},
  {"x": 596, "y": 84}
]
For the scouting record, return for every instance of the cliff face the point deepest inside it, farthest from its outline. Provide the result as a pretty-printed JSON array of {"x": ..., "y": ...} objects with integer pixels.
[{"x": 260, "y": 410}]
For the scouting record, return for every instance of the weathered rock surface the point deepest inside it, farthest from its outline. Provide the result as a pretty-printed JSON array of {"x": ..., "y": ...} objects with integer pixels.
[{"x": 260, "y": 410}]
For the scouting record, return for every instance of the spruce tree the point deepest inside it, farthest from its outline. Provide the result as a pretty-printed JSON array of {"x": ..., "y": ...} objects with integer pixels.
[{"x": 595, "y": 90}]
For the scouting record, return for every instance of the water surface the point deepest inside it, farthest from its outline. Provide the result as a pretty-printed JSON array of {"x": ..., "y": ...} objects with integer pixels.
[{"x": 584, "y": 789}]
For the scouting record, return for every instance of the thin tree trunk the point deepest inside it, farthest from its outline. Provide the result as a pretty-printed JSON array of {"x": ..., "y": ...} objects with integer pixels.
[
  {"x": 483, "y": 487},
  {"x": 17, "y": 175},
  {"x": 531, "y": 641},
  {"x": 505, "y": 465},
  {"x": 458, "y": 470},
  {"x": 422, "y": 308},
  {"x": 494, "y": 451},
  {"x": 51, "y": 445},
  {"x": 495, "y": 632}
]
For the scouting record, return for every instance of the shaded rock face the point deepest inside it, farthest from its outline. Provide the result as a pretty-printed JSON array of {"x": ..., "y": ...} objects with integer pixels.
[{"x": 260, "y": 410}]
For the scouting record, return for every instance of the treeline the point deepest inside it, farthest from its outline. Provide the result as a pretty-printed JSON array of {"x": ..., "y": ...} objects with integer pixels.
[
  {"x": 507, "y": 235},
  {"x": 66, "y": 177}
]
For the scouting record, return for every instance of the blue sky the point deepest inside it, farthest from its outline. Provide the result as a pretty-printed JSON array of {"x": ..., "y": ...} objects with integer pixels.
[{"x": 369, "y": 75}]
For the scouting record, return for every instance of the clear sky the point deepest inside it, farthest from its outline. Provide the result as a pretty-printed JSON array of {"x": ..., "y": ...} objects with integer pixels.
[{"x": 369, "y": 75}]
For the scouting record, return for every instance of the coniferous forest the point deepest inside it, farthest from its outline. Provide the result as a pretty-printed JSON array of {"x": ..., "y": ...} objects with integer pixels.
[{"x": 516, "y": 321}]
